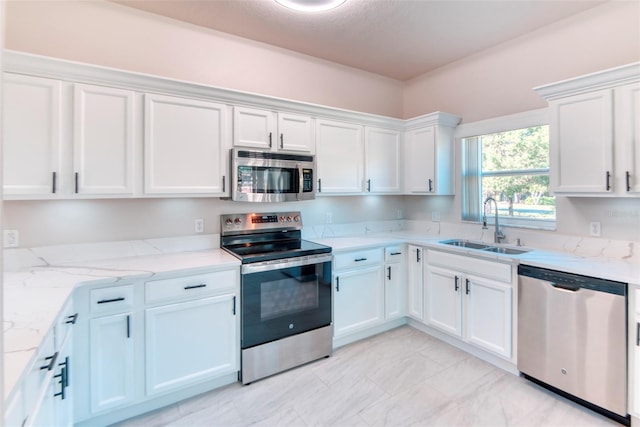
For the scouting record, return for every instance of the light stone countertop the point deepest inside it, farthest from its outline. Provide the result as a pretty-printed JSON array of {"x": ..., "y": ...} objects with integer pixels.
[{"x": 35, "y": 291}]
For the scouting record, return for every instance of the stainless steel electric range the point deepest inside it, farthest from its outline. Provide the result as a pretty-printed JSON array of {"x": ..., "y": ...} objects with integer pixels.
[{"x": 285, "y": 292}]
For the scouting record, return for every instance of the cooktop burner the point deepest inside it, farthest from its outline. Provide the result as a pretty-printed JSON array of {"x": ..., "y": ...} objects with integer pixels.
[{"x": 258, "y": 237}]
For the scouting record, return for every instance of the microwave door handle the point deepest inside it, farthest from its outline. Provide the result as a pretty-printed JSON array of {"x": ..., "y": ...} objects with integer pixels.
[{"x": 300, "y": 181}]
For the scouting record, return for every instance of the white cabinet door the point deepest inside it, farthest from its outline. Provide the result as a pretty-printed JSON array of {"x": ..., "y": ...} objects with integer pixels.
[
  {"x": 184, "y": 146},
  {"x": 429, "y": 161},
  {"x": 254, "y": 128},
  {"x": 295, "y": 133},
  {"x": 111, "y": 349},
  {"x": 581, "y": 140},
  {"x": 488, "y": 316},
  {"x": 190, "y": 342},
  {"x": 31, "y": 126},
  {"x": 415, "y": 281},
  {"x": 103, "y": 140},
  {"x": 627, "y": 108},
  {"x": 394, "y": 291},
  {"x": 340, "y": 157},
  {"x": 358, "y": 300},
  {"x": 382, "y": 160},
  {"x": 443, "y": 301}
]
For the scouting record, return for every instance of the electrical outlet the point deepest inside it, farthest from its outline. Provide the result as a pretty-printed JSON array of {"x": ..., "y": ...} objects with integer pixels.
[
  {"x": 11, "y": 238},
  {"x": 435, "y": 216},
  {"x": 329, "y": 218},
  {"x": 399, "y": 214},
  {"x": 198, "y": 225},
  {"x": 594, "y": 229}
]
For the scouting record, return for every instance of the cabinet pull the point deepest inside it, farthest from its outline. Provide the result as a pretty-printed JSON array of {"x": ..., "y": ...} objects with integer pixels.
[
  {"x": 66, "y": 367},
  {"x": 337, "y": 284},
  {"x": 457, "y": 286},
  {"x": 627, "y": 177},
  {"x": 62, "y": 381},
  {"x": 72, "y": 319},
  {"x": 637, "y": 334},
  {"x": 107, "y": 301},
  {"x": 395, "y": 253},
  {"x": 128, "y": 326},
  {"x": 368, "y": 186},
  {"x": 468, "y": 287},
  {"x": 389, "y": 273},
  {"x": 52, "y": 362},
  {"x": 360, "y": 259},
  {"x": 281, "y": 140},
  {"x": 201, "y": 285},
  {"x": 75, "y": 178},
  {"x": 430, "y": 185},
  {"x": 608, "y": 179},
  {"x": 319, "y": 185},
  {"x": 233, "y": 311},
  {"x": 269, "y": 139},
  {"x": 54, "y": 182},
  {"x": 417, "y": 255},
  {"x": 224, "y": 184}
]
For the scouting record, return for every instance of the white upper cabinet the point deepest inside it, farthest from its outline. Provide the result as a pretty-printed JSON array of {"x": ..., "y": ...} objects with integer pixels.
[
  {"x": 103, "y": 140},
  {"x": 184, "y": 146},
  {"x": 340, "y": 158},
  {"x": 31, "y": 123},
  {"x": 382, "y": 160},
  {"x": 594, "y": 133},
  {"x": 263, "y": 129},
  {"x": 429, "y": 155}
]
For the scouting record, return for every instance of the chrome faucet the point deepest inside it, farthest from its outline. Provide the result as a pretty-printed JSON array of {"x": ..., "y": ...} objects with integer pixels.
[{"x": 497, "y": 235}]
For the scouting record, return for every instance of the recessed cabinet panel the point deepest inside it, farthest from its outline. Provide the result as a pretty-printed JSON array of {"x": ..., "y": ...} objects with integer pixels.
[
  {"x": 253, "y": 128},
  {"x": 339, "y": 157},
  {"x": 31, "y": 129},
  {"x": 358, "y": 300},
  {"x": 382, "y": 160},
  {"x": 581, "y": 137},
  {"x": 415, "y": 281},
  {"x": 103, "y": 140},
  {"x": 443, "y": 300},
  {"x": 184, "y": 149},
  {"x": 295, "y": 133},
  {"x": 627, "y": 108}
]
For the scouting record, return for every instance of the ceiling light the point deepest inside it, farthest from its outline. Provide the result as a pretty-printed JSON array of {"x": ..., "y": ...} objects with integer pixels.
[{"x": 310, "y": 5}]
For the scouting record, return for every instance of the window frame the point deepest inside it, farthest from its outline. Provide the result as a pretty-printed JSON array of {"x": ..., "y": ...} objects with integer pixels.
[{"x": 470, "y": 162}]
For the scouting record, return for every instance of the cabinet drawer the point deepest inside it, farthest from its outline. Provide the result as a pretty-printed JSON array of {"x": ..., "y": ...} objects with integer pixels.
[
  {"x": 394, "y": 253},
  {"x": 357, "y": 259},
  {"x": 112, "y": 298},
  {"x": 467, "y": 264},
  {"x": 186, "y": 287}
]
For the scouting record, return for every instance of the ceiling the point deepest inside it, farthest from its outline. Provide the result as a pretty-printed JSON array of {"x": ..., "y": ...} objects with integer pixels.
[{"x": 400, "y": 39}]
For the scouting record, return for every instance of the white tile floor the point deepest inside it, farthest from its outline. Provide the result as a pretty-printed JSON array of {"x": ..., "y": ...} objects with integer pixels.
[{"x": 399, "y": 378}]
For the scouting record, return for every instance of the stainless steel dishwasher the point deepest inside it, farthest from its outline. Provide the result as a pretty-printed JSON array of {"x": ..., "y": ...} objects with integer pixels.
[{"x": 572, "y": 336}]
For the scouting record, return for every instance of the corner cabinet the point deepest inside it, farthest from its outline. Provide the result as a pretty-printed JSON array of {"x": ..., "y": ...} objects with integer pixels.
[
  {"x": 429, "y": 155},
  {"x": 471, "y": 299},
  {"x": 595, "y": 133},
  {"x": 382, "y": 154},
  {"x": 274, "y": 131},
  {"x": 184, "y": 146},
  {"x": 340, "y": 160}
]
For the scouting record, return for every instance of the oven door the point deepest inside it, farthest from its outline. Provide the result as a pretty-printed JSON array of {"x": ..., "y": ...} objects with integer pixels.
[{"x": 284, "y": 298}]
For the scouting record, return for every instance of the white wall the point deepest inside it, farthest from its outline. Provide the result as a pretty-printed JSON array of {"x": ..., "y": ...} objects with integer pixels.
[
  {"x": 498, "y": 81},
  {"x": 108, "y": 34}
]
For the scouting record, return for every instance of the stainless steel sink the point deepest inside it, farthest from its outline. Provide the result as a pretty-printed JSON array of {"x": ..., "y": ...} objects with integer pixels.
[
  {"x": 465, "y": 244},
  {"x": 506, "y": 251}
]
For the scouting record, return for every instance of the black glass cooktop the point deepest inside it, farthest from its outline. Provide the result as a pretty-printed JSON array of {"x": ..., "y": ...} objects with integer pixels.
[{"x": 268, "y": 250}]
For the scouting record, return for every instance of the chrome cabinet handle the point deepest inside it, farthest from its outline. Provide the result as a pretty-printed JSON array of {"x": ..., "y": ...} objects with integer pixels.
[{"x": 395, "y": 253}]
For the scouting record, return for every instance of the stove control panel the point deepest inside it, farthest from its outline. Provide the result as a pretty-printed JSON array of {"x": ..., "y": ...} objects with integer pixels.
[{"x": 230, "y": 223}]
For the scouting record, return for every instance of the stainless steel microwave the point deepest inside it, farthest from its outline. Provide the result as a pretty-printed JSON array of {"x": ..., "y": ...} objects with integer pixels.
[{"x": 259, "y": 176}]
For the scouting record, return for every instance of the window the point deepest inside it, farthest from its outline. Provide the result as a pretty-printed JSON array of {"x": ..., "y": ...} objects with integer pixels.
[{"x": 512, "y": 167}]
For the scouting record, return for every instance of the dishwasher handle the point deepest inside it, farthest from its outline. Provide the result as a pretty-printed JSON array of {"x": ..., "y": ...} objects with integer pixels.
[{"x": 565, "y": 286}]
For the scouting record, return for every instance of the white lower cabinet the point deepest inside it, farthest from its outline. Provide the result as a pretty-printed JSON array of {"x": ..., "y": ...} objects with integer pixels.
[
  {"x": 394, "y": 283},
  {"x": 190, "y": 342},
  {"x": 471, "y": 299},
  {"x": 359, "y": 300},
  {"x": 112, "y": 361}
]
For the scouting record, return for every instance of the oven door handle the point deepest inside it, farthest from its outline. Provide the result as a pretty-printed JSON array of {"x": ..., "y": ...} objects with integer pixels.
[
  {"x": 300, "y": 181},
  {"x": 259, "y": 267}
]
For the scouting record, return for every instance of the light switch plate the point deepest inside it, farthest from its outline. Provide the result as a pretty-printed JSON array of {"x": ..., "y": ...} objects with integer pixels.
[
  {"x": 594, "y": 228},
  {"x": 11, "y": 238}
]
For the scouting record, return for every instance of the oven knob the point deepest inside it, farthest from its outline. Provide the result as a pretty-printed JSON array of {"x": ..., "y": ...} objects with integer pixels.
[
  {"x": 296, "y": 218},
  {"x": 237, "y": 221},
  {"x": 281, "y": 219},
  {"x": 288, "y": 219},
  {"x": 228, "y": 222}
]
